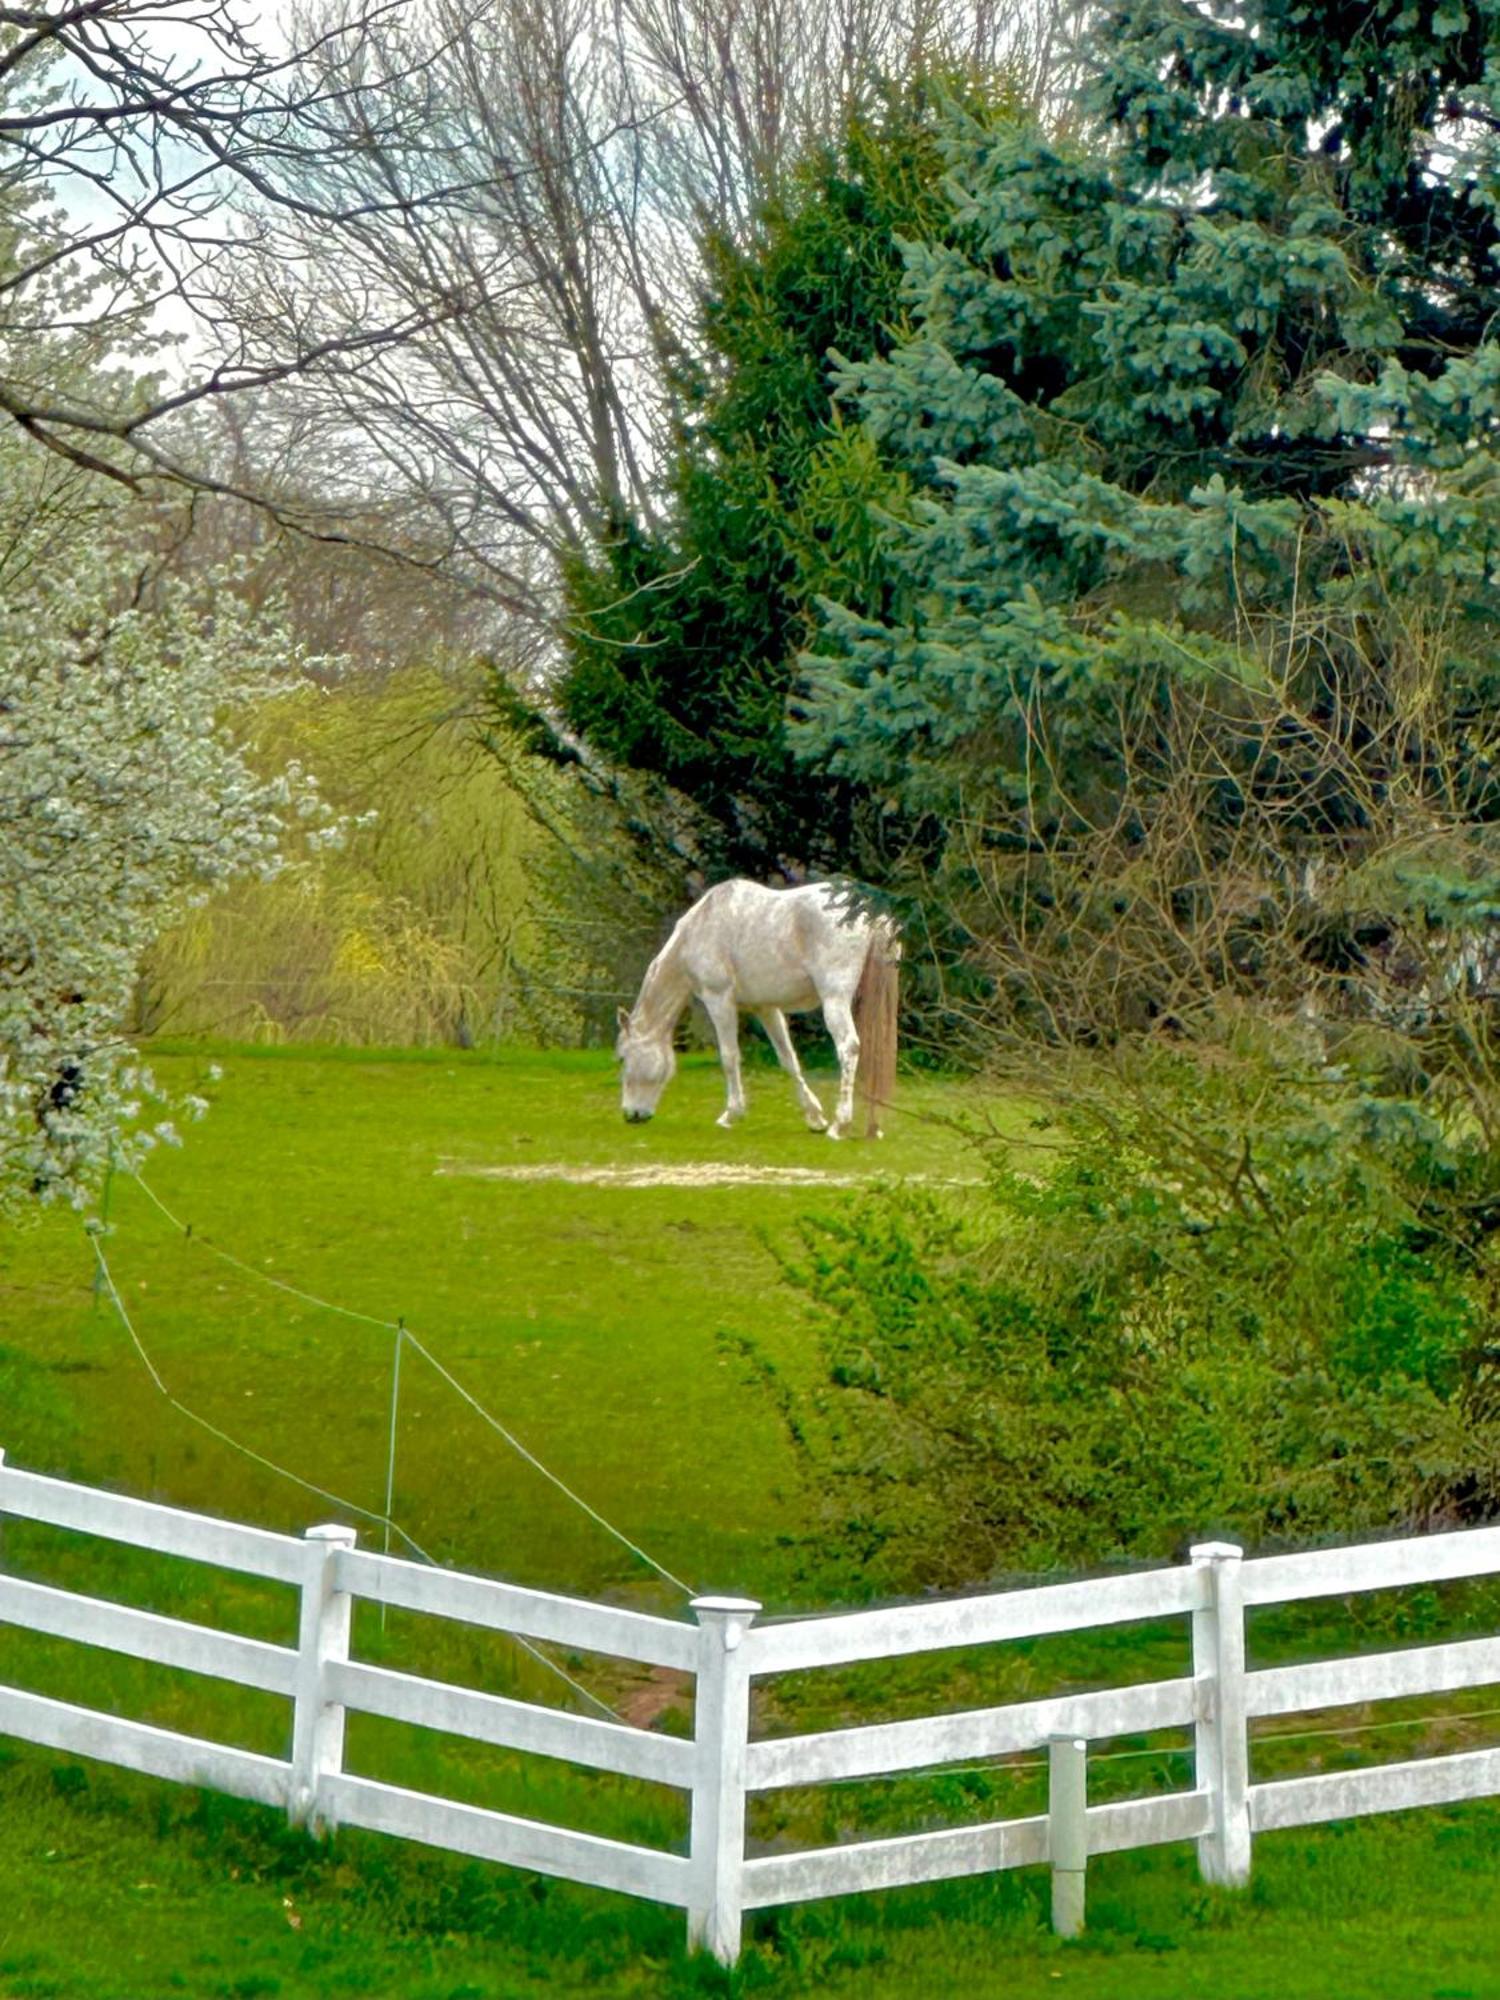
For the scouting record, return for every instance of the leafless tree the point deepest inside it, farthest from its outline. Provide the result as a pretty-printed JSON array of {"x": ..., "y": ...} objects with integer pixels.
[
  {"x": 748, "y": 84},
  {"x": 1294, "y": 841},
  {"x": 148, "y": 148},
  {"x": 540, "y": 241}
]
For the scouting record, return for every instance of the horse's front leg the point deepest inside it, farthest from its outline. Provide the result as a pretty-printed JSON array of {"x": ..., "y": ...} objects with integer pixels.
[
  {"x": 725, "y": 1016},
  {"x": 840, "y": 1018},
  {"x": 774, "y": 1022}
]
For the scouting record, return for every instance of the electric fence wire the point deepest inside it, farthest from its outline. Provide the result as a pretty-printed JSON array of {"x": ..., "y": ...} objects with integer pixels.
[
  {"x": 310, "y": 1486},
  {"x": 999, "y": 1768},
  {"x": 400, "y": 1328},
  {"x": 403, "y": 1332},
  {"x": 1003, "y": 1767}
]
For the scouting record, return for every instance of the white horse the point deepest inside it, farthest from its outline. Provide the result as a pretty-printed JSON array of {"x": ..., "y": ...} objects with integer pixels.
[{"x": 771, "y": 952}]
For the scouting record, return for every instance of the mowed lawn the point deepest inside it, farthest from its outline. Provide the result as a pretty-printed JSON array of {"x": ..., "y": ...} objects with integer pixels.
[
  {"x": 586, "y": 1318},
  {"x": 589, "y": 1317}
]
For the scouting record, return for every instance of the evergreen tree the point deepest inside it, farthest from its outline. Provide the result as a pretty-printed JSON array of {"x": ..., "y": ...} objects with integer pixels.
[
  {"x": 682, "y": 646},
  {"x": 1190, "y": 648},
  {"x": 1193, "y": 652}
]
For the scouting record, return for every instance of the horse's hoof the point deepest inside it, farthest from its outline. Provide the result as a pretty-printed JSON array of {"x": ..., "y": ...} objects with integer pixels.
[
  {"x": 817, "y": 1123},
  {"x": 728, "y": 1119},
  {"x": 834, "y": 1132}
]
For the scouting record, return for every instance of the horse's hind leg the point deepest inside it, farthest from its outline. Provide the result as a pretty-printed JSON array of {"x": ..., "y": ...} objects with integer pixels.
[
  {"x": 725, "y": 1016},
  {"x": 774, "y": 1022},
  {"x": 839, "y": 1015}
]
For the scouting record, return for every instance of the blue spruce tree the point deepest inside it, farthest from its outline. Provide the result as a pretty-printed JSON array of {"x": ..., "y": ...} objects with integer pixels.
[{"x": 1191, "y": 654}]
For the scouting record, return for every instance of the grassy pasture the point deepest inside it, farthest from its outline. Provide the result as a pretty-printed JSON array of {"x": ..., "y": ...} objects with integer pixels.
[{"x": 587, "y": 1318}]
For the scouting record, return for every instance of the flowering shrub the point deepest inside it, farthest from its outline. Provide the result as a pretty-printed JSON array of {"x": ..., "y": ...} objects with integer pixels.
[{"x": 125, "y": 798}]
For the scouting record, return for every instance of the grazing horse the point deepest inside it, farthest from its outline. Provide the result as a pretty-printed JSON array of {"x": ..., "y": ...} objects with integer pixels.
[{"x": 771, "y": 952}]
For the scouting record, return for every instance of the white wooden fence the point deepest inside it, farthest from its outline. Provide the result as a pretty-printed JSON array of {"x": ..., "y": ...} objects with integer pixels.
[{"x": 725, "y": 1650}]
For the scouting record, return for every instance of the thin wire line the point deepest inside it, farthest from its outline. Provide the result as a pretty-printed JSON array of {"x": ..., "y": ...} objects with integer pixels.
[
  {"x": 398, "y": 1326},
  {"x": 309, "y": 1486},
  {"x": 1369, "y": 1728},
  {"x": 213, "y": 1429},
  {"x": 532, "y": 1460},
  {"x": 228, "y": 1256},
  {"x": 1002, "y": 1768}
]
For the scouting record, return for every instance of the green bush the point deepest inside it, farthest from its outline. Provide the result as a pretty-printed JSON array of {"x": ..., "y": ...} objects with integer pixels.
[{"x": 1206, "y": 1319}]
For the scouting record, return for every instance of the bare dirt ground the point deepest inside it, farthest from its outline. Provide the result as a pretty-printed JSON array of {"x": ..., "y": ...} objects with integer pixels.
[{"x": 684, "y": 1173}]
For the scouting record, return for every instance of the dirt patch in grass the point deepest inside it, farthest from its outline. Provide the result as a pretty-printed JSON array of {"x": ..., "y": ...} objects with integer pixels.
[{"x": 684, "y": 1174}]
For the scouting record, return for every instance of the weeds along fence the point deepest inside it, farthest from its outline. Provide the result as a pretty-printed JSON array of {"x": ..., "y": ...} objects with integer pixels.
[{"x": 726, "y": 1650}]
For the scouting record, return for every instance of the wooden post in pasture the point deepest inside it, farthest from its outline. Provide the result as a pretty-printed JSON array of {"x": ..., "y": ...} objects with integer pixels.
[
  {"x": 1221, "y": 1736},
  {"x": 721, "y": 1730},
  {"x": 322, "y": 1639},
  {"x": 1067, "y": 1830}
]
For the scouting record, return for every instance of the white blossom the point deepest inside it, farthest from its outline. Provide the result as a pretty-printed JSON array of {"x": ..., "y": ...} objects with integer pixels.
[{"x": 125, "y": 797}]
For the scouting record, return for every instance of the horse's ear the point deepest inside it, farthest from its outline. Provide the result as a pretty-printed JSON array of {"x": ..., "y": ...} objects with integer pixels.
[{"x": 622, "y": 1015}]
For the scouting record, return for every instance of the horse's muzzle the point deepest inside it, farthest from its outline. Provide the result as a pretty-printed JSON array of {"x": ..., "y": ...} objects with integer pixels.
[{"x": 637, "y": 1117}]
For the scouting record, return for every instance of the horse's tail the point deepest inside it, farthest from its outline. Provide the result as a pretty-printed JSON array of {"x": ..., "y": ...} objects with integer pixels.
[{"x": 875, "y": 1000}]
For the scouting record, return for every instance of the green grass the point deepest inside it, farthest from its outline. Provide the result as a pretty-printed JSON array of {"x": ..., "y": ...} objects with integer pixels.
[
  {"x": 121, "y": 1891},
  {"x": 585, "y": 1317},
  {"x": 589, "y": 1319}
]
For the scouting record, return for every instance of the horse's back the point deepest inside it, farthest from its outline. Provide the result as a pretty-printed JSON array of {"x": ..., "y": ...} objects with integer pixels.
[{"x": 775, "y": 947}]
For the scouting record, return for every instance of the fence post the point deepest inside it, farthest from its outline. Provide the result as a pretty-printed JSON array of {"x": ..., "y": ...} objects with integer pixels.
[
  {"x": 1067, "y": 1830},
  {"x": 721, "y": 1729},
  {"x": 1221, "y": 1738},
  {"x": 322, "y": 1639}
]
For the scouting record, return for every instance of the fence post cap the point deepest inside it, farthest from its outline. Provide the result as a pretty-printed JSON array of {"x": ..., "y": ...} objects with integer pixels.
[
  {"x": 1212, "y": 1552},
  {"x": 332, "y": 1531},
  {"x": 730, "y": 1617}
]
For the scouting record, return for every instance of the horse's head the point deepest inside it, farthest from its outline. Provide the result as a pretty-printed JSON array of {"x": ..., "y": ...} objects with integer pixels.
[{"x": 646, "y": 1067}]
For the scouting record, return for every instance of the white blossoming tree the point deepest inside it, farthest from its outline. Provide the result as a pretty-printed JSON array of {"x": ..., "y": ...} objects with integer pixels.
[
  {"x": 125, "y": 797},
  {"x": 126, "y": 794}
]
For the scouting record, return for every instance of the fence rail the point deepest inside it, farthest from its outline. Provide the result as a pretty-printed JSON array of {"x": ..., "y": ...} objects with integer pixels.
[
  {"x": 529, "y": 1614},
  {"x": 725, "y": 1651}
]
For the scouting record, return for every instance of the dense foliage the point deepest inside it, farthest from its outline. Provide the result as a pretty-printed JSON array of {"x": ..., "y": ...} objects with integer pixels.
[
  {"x": 1245, "y": 1310},
  {"x": 1194, "y": 653}
]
